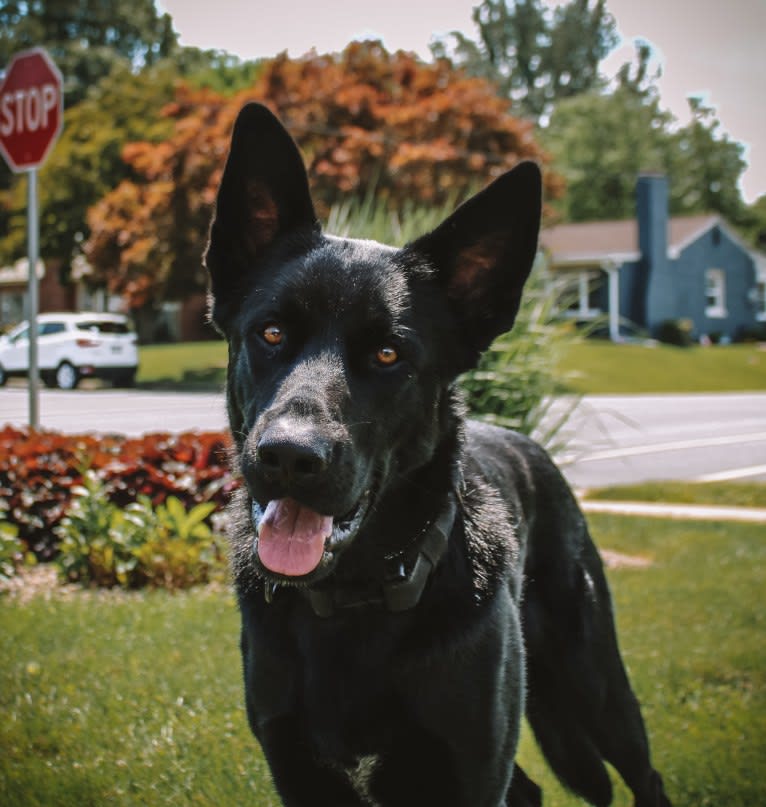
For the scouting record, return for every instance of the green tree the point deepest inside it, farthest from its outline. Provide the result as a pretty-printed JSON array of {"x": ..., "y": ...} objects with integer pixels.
[
  {"x": 754, "y": 223},
  {"x": 123, "y": 106},
  {"x": 535, "y": 56},
  {"x": 708, "y": 165},
  {"x": 86, "y": 38},
  {"x": 87, "y": 160},
  {"x": 217, "y": 70},
  {"x": 600, "y": 142}
]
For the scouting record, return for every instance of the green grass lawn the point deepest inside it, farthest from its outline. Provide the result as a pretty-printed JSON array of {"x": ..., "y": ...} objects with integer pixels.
[
  {"x": 136, "y": 699},
  {"x": 591, "y": 366},
  {"x": 595, "y": 366},
  {"x": 728, "y": 494},
  {"x": 187, "y": 364}
]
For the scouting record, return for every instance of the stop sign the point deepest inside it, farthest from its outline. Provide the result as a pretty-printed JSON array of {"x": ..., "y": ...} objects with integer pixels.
[{"x": 31, "y": 109}]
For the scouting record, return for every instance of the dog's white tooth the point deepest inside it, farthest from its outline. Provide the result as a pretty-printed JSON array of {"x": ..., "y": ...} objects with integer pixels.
[{"x": 256, "y": 515}]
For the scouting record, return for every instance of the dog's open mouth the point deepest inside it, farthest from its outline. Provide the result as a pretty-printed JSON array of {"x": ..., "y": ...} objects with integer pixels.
[{"x": 292, "y": 540}]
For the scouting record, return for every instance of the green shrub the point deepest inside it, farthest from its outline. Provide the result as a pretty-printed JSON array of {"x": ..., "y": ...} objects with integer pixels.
[
  {"x": 179, "y": 549},
  {"x": 517, "y": 379},
  {"x": 751, "y": 333},
  {"x": 166, "y": 546},
  {"x": 40, "y": 469},
  {"x": 12, "y": 556},
  {"x": 676, "y": 332}
]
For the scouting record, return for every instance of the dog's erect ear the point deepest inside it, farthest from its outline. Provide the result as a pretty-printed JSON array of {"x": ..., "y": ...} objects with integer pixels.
[
  {"x": 483, "y": 254},
  {"x": 264, "y": 193}
]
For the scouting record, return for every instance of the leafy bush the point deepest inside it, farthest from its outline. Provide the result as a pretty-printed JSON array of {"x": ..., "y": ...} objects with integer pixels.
[
  {"x": 40, "y": 470},
  {"x": 751, "y": 333},
  {"x": 676, "y": 332},
  {"x": 11, "y": 550},
  {"x": 166, "y": 546}
]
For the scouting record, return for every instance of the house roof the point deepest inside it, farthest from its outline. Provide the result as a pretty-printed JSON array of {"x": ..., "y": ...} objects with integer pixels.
[
  {"x": 616, "y": 241},
  {"x": 17, "y": 273}
]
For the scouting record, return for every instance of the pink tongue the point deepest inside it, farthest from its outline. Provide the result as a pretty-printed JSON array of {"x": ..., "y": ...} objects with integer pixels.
[{"x": 291, "y": 537}]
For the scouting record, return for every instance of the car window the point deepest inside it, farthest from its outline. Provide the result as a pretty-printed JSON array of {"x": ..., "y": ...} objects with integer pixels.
[
  {"x": 23, "y": 334},
  {"x": 50, "y": 328},
  {"x": 103, "y": 326}
]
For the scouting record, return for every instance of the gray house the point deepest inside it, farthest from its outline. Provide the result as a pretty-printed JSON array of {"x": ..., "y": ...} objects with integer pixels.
[{"x": 653, "y": 269}]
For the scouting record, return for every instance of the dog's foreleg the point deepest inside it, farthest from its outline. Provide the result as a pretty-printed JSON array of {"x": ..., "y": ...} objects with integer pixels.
[
  {"x": 300, "y": 779},
  {"x": 523, "y": 792}
]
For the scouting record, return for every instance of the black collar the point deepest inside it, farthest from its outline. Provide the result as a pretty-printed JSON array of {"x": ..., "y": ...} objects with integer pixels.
[{"x": 399, "y": 590}]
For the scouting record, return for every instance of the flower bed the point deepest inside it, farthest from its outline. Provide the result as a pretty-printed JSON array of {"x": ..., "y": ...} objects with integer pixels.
[{"x": 40, "y": 472}]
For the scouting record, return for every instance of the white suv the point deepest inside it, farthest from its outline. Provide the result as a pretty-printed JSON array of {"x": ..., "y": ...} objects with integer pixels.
[{"x": 71, "y": 347}]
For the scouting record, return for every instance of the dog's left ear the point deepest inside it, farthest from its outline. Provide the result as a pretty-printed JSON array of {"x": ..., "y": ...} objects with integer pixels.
[
  {"x": 264, "y": 194},
  {"x": 483, "y": 254}
]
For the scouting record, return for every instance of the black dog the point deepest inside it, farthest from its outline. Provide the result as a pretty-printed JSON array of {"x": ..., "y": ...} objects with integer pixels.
[{"x": 410, "y": 583}]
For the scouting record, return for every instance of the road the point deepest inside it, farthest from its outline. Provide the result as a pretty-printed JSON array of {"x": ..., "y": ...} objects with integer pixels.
[
  {"x": 131, "y": 412},
  {"x": 609, "y": 439},
  {"x": 622, "y": 439}
]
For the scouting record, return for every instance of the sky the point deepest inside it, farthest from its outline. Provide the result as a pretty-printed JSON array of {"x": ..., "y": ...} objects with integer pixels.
[{"x": 703, "y": 47}]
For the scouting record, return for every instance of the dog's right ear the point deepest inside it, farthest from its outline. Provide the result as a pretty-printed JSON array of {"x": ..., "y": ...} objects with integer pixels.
[{"x": 264, "y": 193}]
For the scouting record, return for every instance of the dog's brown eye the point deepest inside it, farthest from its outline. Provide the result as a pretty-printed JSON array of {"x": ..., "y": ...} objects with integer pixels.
[
  {"x": 386, "y": 356},
  {"x": 273, "y": 335}
]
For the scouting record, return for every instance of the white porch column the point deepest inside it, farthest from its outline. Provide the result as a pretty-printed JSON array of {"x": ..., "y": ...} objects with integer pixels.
[
  {"x": 613, "y": 273},
  {"x": 582, "y": 294}
]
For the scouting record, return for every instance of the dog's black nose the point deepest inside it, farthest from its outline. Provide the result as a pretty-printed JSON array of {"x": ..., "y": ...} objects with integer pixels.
[{"x": 293, "y": 455}]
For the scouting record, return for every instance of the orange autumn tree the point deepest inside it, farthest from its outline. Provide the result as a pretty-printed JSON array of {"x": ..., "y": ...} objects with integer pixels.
[{"x": 366, "y": 121}]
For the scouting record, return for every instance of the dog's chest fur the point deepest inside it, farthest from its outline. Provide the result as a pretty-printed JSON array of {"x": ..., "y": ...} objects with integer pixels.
[{"x": 360, "y": 777}]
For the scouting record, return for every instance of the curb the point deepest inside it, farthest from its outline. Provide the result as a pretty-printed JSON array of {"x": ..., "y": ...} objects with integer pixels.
[{"x": 689, "y": 512}]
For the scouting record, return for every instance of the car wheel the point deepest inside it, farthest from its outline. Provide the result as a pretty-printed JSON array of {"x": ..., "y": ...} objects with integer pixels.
[
  {"x": 67, "y": 376},
  {"x": 3, "y": 376},
  {"x": 48, "y": 378},
  {"x": 127, "y": 379}
]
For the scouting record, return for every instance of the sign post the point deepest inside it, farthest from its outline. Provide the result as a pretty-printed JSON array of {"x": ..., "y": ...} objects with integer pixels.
[
  {"x": 31, "y": 116},
  {"x": 33, "y": 250}
]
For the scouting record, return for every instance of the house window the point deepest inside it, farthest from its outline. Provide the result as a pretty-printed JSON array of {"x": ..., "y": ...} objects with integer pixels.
[
  {"x": 715, "y": 293},
  {"x": 11, "y": 307},
  {"x": 760, "y": 300}
]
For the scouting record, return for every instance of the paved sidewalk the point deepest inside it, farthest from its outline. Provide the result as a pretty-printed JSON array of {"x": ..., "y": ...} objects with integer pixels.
[{"x": 693, "y": 512}]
